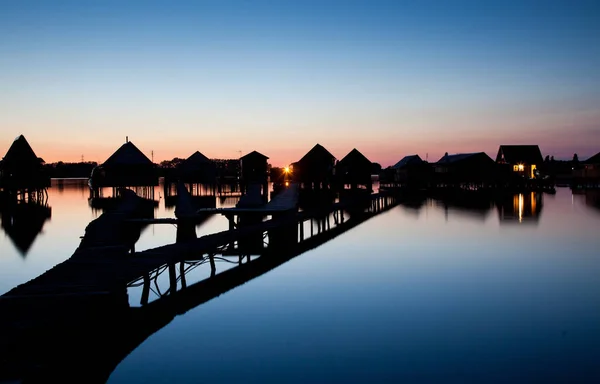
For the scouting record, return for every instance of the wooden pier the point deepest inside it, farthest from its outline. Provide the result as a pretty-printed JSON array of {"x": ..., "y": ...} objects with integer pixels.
[
  {"x": 106, "y": 258},
  {"x": 82, "y": 303}
]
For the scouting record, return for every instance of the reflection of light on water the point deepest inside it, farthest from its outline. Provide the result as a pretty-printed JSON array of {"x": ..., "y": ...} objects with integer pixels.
[
  {"x": 520, "y": 207},
  {"x": 533, "y": 203}
]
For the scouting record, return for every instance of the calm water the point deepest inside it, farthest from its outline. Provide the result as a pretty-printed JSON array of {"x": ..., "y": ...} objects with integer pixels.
[{"x": 425, "y": 293}]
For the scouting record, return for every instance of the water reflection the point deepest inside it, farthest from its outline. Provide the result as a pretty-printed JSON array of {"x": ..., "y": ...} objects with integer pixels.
[
  {"x": 110, "y": 324},
  {"x": 520, "y": 208},
  {"x": 592, "y": 199},
  {"x": 412, "y": 205},
  {"x": 74, "y": 184},
  {"x": 469, "y": 204},
  {"x": 23, "y": 221}
]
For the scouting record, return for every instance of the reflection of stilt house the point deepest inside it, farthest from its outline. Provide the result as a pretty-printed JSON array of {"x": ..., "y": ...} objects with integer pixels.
[
  {"x": 127, "y": 167},
  {"x": 354, "y": 170},
  {"x": 315, "y": 169},
  {"x": 468, "y": 170},
  {"x": 460, "y": 202},
  {"x": 520, "y": 208},
  {"x": 254, "y": 170},
  {"x": 21, "y": 170},
  {"x": 23, "y": 222},
  {"x": 592, "y": 198}
]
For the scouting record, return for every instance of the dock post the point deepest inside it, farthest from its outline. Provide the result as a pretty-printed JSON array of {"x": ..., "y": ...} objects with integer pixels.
[
  {"x": 213, "y": 268},
  {"x": 182, "y": 274},
  {"x": 145, "y": 290},
  {"x": 172, "y": 279}
]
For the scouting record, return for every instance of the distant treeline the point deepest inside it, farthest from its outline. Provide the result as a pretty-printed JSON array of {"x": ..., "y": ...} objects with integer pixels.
[
  {"x": 67, "y": 170},
  {"x": 225, "y": 168}
]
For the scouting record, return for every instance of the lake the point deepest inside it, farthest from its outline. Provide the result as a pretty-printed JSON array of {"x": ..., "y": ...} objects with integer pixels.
[{"x": 427, "y": 292}]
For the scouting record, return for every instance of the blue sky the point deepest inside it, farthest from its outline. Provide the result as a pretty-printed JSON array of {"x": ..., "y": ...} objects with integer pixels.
[{"x": 390, "y": 78}]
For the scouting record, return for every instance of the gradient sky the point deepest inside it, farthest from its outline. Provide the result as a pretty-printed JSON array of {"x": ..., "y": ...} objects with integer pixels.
[{"x": 390, "y": 78}]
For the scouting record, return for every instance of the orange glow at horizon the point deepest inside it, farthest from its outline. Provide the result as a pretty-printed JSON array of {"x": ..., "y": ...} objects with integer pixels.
[{"x": 383, "y": 149}]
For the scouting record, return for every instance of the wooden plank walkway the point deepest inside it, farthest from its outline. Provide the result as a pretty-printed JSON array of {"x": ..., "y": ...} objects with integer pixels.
[
  {"x": 184, "y": 206},
  {"x": 118, "y": 329},
  {"x": 105, "y": 269},
  {"x": 285, "y": 200},
  {"x": 252, "y": 197},
  {"x": 103, "y": 264}
]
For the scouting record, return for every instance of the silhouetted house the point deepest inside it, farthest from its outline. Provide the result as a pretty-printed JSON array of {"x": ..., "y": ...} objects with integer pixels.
[
  {"x": 315, "y": 169},
  {"x": 127, "y": 167},
  {"x": 354, "y": 170},
  {"x": 589, "y": 171},
  {"x": 21, "y": 169},
  {"x": 254, "y": 168},
  {"x": 197, "y": 169},
  {"x": 412, "y": 170},
  {"x": 228, "y": 170},
  {"x": 465, "y": 168},
  {"x": 523, "y": 159}
]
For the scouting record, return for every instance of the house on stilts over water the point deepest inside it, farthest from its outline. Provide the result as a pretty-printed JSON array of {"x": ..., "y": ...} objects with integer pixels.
[
  {"x": 22, "y": 173},
  {"x": 127, "y": 167},
  {"x": 354, "y": 170}
]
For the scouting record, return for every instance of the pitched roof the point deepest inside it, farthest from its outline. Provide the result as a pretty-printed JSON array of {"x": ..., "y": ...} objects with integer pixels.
[
  {"x": 449, "y": 159},
  {"x": 318, "y": 154},
  {"x": 254, "y": 154},
  {"x": 594, "y": 159},
  {"x": 127, "y": 154},
  {"x": 355, "y": 159},
  {"x": 515, "y": 154},
  {"x": 408, "y": 160},
  {"x": 195, "y": 161},
  {"x": 197, "y": 158},
  {"x": 20, "y": 154}
]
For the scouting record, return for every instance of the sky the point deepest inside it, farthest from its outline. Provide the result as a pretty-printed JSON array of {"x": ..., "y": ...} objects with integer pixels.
[{"x": 390, "y": 78}]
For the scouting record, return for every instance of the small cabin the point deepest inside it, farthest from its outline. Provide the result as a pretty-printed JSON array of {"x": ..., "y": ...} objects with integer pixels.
[
  {"x": 412, "y": 170},
  {"x": 127, "y": 167},
  {"x": 315, "y": 168},
  {"x": 465, "y": 168},
  {"x": 254, "y": 168},
  {"x": 524, "y": 160},
  {"x": 197, "y": 169},
  {"x": 588, "y": 173},
  {"x": 21, "y": 169},
  {"x": 354, "y": 170}
]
